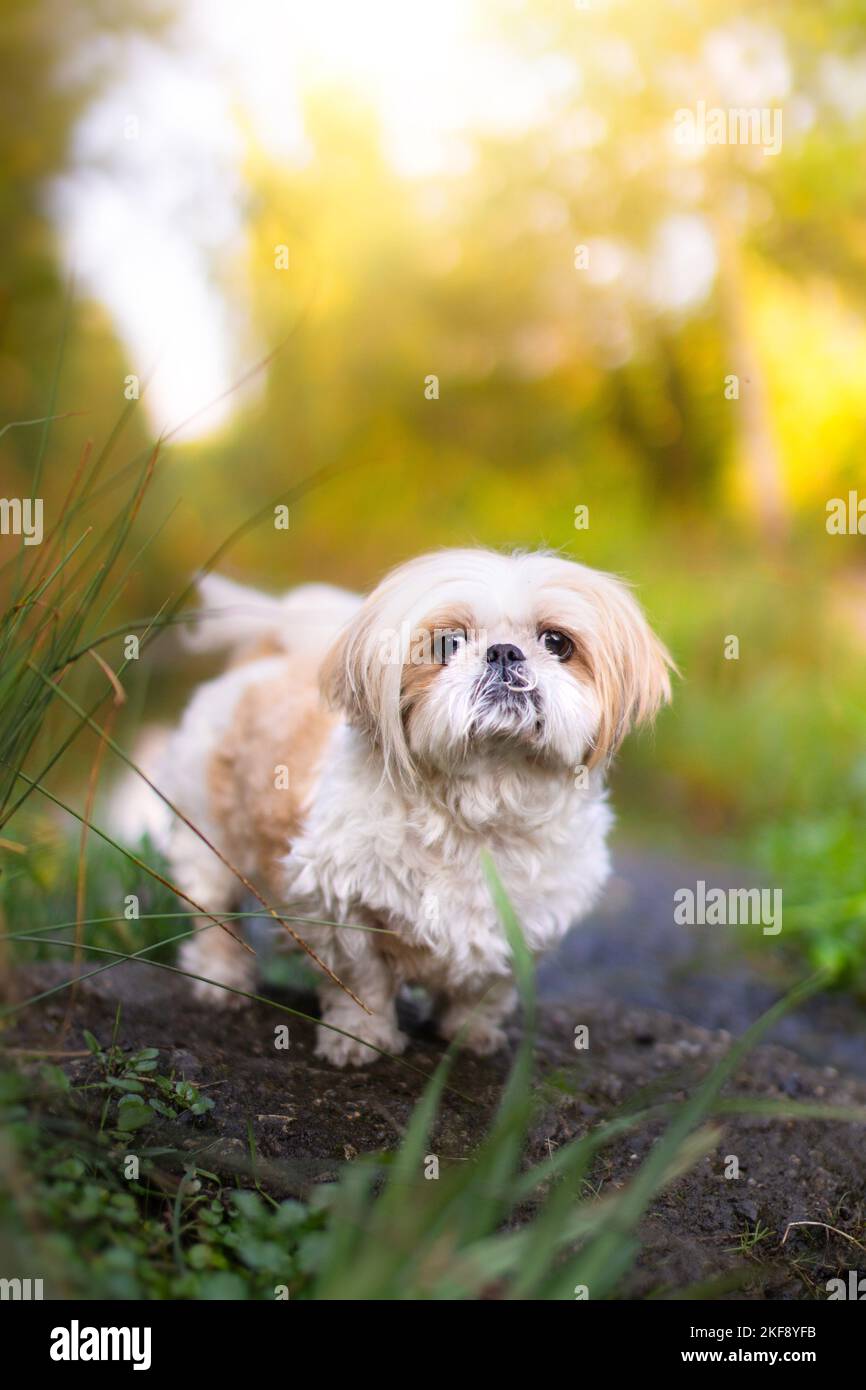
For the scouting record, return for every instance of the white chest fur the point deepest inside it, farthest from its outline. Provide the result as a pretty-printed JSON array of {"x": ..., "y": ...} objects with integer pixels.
[{"x": 412, "y": 860}]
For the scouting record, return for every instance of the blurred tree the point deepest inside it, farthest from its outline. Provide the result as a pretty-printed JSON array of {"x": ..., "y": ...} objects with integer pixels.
[
  {"x": 582, "y": 290},
  {"x": 616, "y": 164},
  {"x": 52, "y": 61}
]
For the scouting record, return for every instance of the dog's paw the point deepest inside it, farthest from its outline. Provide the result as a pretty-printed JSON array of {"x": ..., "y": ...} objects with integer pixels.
[
  {"x": 224, "y": 971},
  {"x": 342, "y": 1051},
  {"x": 218, "y": 997},
  {"x": 481, "y": 1036},
  {"x": 484, "y": 1038}
]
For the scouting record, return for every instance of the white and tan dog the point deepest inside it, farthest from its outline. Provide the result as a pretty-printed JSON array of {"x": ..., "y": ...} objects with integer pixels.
[{"x": 360, "y": 754}]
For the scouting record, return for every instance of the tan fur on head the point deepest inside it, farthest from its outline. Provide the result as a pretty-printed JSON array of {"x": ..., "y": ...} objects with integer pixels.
[
  {"x": 357, "y": 678},
  {"x": 627, "y": 663},
  {"x": 373, "y": 674}
]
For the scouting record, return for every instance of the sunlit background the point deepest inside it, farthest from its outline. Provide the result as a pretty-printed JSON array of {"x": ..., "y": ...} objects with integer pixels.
[{"x": 278, "y": 222}]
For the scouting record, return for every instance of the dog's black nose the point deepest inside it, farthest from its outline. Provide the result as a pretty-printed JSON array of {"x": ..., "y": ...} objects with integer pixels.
[{"x": 504, "y": 655}]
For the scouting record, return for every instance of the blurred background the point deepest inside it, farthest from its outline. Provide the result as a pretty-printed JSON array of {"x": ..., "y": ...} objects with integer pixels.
[{"x": 457, "y": 265}]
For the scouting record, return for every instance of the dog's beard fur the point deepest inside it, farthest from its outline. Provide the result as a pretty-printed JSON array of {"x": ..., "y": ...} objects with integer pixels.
[
  {"x": 506, "y": 708},
  {"x": 470, "y": 710}
]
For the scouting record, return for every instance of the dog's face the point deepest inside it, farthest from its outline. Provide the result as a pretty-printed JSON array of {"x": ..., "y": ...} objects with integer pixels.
[{"x": 466, "y": 654}]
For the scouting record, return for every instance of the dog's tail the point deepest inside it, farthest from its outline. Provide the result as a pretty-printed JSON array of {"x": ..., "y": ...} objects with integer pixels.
[{"x": 235, "y": 618}]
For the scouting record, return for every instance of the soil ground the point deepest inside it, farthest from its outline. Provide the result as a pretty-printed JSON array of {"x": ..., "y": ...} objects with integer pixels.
[{"x": 661, "y": 1004}]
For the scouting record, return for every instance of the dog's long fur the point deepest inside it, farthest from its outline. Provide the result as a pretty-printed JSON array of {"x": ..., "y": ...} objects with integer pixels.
[{"x": 355, "y": 763}]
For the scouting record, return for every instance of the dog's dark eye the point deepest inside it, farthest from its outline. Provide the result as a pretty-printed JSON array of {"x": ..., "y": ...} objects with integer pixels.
[
  {"x": 447, "y": 644},
  {"x": 558, "y": 644}
]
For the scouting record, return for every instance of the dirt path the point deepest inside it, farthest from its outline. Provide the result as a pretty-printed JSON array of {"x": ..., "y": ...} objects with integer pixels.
[
  {"x": 660, "y": 1004},
  {"x": 632, "y": 951}
]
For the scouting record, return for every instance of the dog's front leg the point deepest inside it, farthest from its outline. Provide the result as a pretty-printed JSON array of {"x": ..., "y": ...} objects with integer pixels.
[
  {"x": 212, "y": 953},
  {"x": 371, "y": 978},
  {"x": 479, "y": 1017}
]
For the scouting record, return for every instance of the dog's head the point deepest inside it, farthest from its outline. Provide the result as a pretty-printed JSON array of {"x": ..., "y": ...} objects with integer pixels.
[{"x": 464, "y": 653}]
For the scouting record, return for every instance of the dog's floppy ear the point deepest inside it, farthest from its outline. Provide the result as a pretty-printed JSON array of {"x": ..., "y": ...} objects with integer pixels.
[
  {"x": 361, "y": 675},
  {"x": 630, "y": 666},
  {"x": 341, "y": 676}
]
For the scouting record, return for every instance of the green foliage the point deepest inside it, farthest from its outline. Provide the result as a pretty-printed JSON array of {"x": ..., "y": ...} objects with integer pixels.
[
  {"x": 819, "y": 858},
  {"x": 67, "y": 1213},
  {"x": 138, "y": 1093},
  {"x": 38, "y": 888}
]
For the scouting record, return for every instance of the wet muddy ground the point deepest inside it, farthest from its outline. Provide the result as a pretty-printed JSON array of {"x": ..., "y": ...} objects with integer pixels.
[{"x": 661, "y": 1004}]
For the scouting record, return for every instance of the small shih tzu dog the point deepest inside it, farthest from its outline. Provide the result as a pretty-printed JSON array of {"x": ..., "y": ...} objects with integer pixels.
[{"x": 359, "y": 754}]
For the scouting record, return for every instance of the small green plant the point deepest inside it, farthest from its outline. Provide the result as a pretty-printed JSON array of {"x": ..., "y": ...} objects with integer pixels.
[
  {"x": 69, "y": 1215},
  {"x": 819, "y": 859},
  {"x": 137, "y": 1091},
  {"x": 750, "y": 1238}
]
